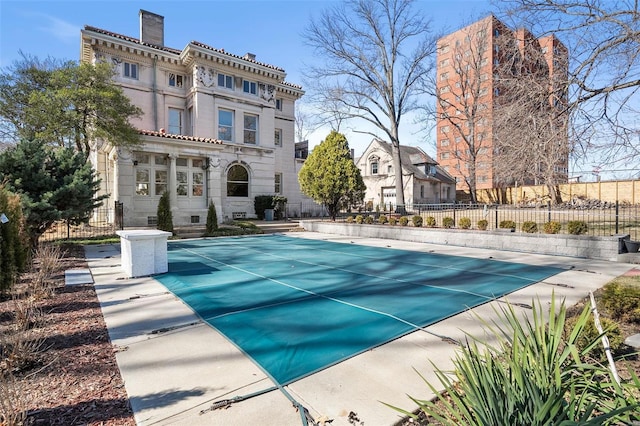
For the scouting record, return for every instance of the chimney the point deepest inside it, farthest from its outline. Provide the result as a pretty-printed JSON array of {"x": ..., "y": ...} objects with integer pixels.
[
  {"x": 250, "y": 56},
  {"x": 151, "y": 28}
]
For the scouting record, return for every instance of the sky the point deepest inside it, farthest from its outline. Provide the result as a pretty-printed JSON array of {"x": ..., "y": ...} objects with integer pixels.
[{"x": 271, "y": 29}]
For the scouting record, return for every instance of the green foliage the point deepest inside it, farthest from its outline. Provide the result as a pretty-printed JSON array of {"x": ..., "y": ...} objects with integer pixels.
[
  {"x": 63, "y": 103},
  {"x": 464, "y": 223},
  {"x": 447, "y": 222},
  {"x": 507, "y": 224},
  {"x": 53, "y": 184},
  {"x": 417, "y": 221},
  {"x": 368, "y": 220},
  {"x": 529, "y": 227},
  {"x": 621, "y": 301},
  {"x": 383, "y": 219},
  {"x": 404, "y": 220},
  {"x": 165, "y": 217},
  {"x": 430, "y": 221},
  {"x": 330, "y": 177},
  {"x": 483, "y": 224},
  {"x": 349, "y": 219},
  {"x": 552, "y": 227},
  {"x": 590, "y": 335},
  {"x": 577, "y": 227},
  {"x": 392, "y": 220},
  {"x": 261, "y": 203},
  {"x": 279, "y": 204},
  {"x": 13, "y": 244},
  {"x": 212, "y": 220},
  {"x": 530, "y": 372},
  {"x": 359, "y": 219}
]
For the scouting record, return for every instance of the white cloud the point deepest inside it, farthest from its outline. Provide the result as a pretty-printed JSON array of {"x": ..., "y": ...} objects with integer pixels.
[{"x": 64, "y": 31}]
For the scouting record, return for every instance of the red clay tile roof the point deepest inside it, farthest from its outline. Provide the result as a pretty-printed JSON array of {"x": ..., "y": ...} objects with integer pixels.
[
  {"x": 206, "y": 46},
  {"x": 180, "y": 137},
  {"x": 131, "y": 39}
]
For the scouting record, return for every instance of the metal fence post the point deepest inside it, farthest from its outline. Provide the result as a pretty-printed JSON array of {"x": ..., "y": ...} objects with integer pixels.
[
  {"x": 617, "y": 216},
  {"x": 496, "y": 216},
  {"x": 549, "y": 210}
]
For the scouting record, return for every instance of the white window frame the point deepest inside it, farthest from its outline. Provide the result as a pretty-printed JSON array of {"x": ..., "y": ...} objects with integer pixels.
[
  {"x": 277, "y": 137},
  {"x": 130, "y": 70},
  {"x": 277, "y": 180},
  {"x": 227, "y": 127},
  {"x": 156, "y": 169},
  {"x": 176, "y": 80},
  {"x": 250, "y": 132}
]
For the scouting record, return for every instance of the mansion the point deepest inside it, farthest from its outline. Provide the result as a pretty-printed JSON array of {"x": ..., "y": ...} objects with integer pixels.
[{"x": 216, "y": 127}]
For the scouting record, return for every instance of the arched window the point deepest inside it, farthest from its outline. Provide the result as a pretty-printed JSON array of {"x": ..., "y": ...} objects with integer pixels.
[
  {"x": 373, "y": 164},
  {"x": 237, "y": 181}
]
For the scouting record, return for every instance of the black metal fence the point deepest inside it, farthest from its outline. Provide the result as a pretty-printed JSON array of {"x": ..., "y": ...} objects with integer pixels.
[
  {"x": 104, "y": 221},
  {"x": 604, "y": 220}
]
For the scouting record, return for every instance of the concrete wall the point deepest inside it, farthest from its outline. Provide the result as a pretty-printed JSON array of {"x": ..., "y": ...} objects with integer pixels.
[{"x": 604, "y": 248}]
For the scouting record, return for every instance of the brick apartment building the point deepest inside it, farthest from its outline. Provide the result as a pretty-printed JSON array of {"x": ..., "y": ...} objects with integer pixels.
[{"x": 470, "y": 69}]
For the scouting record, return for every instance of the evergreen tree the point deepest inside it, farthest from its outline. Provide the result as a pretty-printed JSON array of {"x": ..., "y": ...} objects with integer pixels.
[
  {"x": 165, "y": 217},
  {"x": 13, "y": 247},
  {"x": 53, "y": 184},
  {"x": 212, "y": 220},
  {"x": 330, "y": 176}
]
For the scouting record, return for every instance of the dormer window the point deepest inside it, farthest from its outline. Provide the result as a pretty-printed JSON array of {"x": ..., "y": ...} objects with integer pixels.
[{"x": 373, "y": 165}]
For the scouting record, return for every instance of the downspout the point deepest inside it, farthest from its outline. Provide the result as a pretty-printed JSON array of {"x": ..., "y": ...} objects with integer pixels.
[{"x": 155, "y": 98}]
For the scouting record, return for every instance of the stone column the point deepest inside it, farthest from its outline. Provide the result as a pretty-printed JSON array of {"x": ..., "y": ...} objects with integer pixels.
[{"x": 173, "y": 181}]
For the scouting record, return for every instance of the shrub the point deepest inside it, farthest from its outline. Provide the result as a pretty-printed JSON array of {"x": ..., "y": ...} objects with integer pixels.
[
  {"x": 430, "y": 221},
  {"x": 591, "y": 336},
  {"x": 368, "y": 220},
  {"x": 417, "y": 221},
  {"x": 13, "y": 240},
  {"x": 528, "y": 373},
  {"x": 359, "y": 219},
  {"x": 212, "y": 220},
  {"x": 403, "y": 221},
  {"x": 382, "y": 219},
  {"x": 349, "y": 219},
  {"x": 464, "y": 223},
  {"x": 261, "y": 203},
  {"x": 621, "y": 301},
  {"x": 447, "y": 222},
  {"x": 530, "y": 227},
  {"x": 507, "y": 224},
  {"x": 165, "y": 217},
  {"x": 577, "y": 227},
  {"x": 392, "y": 220},
  {"x": 552, "y": 227},
  {"x": 279, "y": 204},
  {"x": 483, "y": 224}
]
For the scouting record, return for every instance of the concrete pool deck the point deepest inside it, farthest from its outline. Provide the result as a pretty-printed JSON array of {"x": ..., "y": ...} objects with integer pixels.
[{"x": 175, "y": 367}]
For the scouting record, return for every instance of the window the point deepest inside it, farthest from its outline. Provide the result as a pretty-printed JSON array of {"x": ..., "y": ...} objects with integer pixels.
[
  {"x": 237, "y": 181},
  {"x": 389, "y": 169},
  {"x": 131, "y": 70},
  {"x": 444, "y": 89},
  {"x": 250, "y": 87},
  {"x": 421, "y": 191},
  {"x": 250, "y": 129},
  {"x": 444, "y": 76},
  {"x": 151, "y": 174},
  {"x": 176, "y": 80},
  {"x": 175, "y": 121},
  {"x": 277, "y": 137},
  {"x": 444, "y": 129},
  {"x": 197, "y": 182},
  {"x": 182, "y": 178},
  {"x": 374, "y": 167},
  {"x": 444, "y": 142},
  {"x": 190, "y": 168},
  {"x": 225, "y": 81},
  {"x": 279, "y": 104},
  {"x": 444, "y": 155},
  {"x": 278, "y": 183},
  {"x": 225, "y": 125}
]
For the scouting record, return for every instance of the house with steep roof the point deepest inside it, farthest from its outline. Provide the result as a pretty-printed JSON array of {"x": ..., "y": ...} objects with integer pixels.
[
  {"x": 425, "y": 182},
  {"x": 217, "y": 127}
]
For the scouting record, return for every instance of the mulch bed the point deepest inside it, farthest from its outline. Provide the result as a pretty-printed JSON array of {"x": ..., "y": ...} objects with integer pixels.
[{"x": 74, "y": 379}]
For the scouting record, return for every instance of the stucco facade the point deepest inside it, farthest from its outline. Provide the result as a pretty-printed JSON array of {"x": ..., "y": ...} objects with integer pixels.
[
  {"x": 425, "y": 182},
  {"x": 217, "y": 127}
]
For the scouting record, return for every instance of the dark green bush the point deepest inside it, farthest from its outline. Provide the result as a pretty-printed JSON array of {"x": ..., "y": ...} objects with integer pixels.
[
  {"x": 622, "y": 301},
  {"x": 382, "y": 219},
  {"x": 261, "y": 203},
  {"x": 359, "y": 218},
  {"x": 212, "y": 220},
  {"x": 483, "y": 224},
  {"x": 577, "y": 227},
  {"x": 552, "y": 227},
  {"x": 464, "y": 223},
  {"x": 448, "y": 222},
  {"x": 403, "y": 221},
  {"x": 13, "y": 240},
  {"x": 430, "y": 221},
  {"x": 165, "y": 217},
  {"x": 368, "y": 220},
  {"x": 507, "y": 224},
  {"x": 530, "y": 227},
  {"x": 417, "y": 221}
]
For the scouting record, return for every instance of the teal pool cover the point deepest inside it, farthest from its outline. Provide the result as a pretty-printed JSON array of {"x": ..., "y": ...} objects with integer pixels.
[{"x": 297, "y": 306}]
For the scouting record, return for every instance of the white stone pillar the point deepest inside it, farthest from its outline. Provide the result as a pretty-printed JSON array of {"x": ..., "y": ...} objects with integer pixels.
[{"x": 173, "y": 180}]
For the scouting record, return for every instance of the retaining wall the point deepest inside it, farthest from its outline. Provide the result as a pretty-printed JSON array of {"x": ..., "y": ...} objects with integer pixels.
[{"x": 591, "y": 247}]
